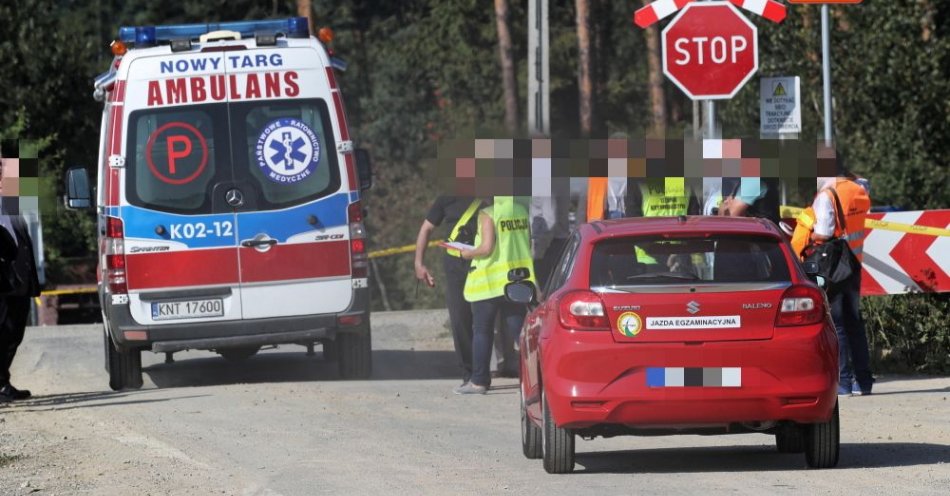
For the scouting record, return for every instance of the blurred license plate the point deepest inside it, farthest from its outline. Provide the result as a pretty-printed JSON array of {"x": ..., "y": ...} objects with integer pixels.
[{"x": 168, "y": 310}]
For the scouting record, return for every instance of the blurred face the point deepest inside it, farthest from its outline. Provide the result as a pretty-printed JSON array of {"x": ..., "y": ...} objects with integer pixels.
[{"x": 9, "y": 176}]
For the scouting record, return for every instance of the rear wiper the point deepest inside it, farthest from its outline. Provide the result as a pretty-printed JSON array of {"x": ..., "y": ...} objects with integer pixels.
[{"x": 667, "y": 275}]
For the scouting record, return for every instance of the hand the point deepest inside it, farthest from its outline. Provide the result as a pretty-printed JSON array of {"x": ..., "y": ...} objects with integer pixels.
[
  {"x": 422, "y": 274},
  {"x": 467, "y": 254}
]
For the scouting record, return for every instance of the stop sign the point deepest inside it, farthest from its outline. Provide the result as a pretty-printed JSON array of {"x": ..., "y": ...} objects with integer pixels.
[{"x": 710, "y": 50}]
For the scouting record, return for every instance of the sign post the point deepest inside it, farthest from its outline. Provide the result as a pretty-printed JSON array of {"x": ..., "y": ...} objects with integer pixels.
[{"x": 826, "y": 60}]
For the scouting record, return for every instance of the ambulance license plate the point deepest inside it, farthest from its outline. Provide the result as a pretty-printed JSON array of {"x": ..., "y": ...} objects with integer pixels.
[{"x": 169, "y": 310}]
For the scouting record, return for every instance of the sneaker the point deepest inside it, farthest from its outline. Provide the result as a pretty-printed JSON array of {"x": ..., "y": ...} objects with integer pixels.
[
  {"x": 857, "y": 390},
  {"x": 844, "y": 391},
  {"x": 13, "y": 394},
  {"x": 469, "y": 388}
]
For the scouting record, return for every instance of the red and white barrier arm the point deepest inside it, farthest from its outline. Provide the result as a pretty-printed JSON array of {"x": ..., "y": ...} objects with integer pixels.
[
  {"x": 769, "y": 9},
  {"x": 660, "y": 9}
]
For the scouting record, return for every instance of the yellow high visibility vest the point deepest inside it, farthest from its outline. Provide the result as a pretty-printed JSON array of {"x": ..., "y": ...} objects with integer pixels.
[{"x": 489, "y": 275}]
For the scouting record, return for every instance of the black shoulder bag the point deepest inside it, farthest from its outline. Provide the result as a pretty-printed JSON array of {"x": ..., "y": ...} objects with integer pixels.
[{"x": 836, "y": 262}]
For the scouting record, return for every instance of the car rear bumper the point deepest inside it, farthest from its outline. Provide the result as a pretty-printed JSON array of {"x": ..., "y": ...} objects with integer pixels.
[
  {"x": 303, "y": 329},
  {"x": 590, "y": 380}
]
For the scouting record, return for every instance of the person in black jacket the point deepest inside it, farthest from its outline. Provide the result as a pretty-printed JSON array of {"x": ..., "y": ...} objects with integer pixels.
[{"x": 17, "y": 253}]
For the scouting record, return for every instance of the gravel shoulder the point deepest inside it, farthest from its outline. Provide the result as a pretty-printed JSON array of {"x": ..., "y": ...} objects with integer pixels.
[{"x": 283, "y": 423}]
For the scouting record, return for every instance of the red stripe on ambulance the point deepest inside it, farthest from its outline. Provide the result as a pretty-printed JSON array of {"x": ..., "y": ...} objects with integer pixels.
[
  {"x": 285, "y": 262},
  {"x": 182, "y": 268}
]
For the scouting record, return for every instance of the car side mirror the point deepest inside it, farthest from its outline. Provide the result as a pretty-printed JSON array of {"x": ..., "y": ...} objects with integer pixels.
[
  {"x": 518, "y": 274},
  {"x": 78, "y": 193},
  {"x": 521, "y": 292},
  {"x": 364, "y": 168}
]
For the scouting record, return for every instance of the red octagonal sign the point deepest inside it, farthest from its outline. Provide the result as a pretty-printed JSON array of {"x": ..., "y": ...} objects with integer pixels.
[{"x": 710, "y": 50}]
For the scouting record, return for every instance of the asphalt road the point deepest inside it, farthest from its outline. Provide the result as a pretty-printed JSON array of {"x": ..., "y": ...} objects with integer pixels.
[{"x": 284, "y": 423}]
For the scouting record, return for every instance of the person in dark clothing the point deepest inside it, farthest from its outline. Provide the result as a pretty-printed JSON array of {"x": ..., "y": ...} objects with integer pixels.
[
  {"x": 17, "y": 254},
  {"x": 460, "y": 212}
]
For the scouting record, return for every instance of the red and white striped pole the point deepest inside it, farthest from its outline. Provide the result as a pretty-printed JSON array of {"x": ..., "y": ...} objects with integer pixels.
[
  {"x": 660, "y": 9},
  {"x": 769, "y": 9}
]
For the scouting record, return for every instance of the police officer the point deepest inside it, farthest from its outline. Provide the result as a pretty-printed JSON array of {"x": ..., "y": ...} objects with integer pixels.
[
  {"x": 659, "y": 197},
  {"x": 461, "y": 212},
  {"x": 502, "y": 243}
]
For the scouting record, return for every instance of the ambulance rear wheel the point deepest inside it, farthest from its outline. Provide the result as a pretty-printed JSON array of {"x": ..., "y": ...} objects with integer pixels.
[
  {"x": 124, "y": 366},
  {"x": 354, "y": 353}
]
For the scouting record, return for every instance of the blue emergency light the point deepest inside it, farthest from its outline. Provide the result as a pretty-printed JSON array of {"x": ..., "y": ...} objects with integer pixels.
[{"x": 294, "y": 27}]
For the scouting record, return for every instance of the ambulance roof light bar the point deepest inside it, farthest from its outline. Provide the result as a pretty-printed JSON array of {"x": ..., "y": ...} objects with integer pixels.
[{"x": 294, "y": 27}]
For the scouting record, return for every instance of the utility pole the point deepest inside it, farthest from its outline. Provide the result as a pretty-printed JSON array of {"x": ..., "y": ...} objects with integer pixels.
[{"x": 539, "y": 85}]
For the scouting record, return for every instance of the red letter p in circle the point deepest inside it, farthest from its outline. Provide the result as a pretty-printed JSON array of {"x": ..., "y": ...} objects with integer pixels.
[
  {"x": 173, "y": 153},
  {"x": 183, "y": 166}
]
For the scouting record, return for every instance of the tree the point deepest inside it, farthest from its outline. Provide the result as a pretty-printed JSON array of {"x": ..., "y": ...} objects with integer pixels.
[
  {"x": 509, "y": 82},
  {"x": 585, "y": 86},
  {"x": 657, "y": 96}
]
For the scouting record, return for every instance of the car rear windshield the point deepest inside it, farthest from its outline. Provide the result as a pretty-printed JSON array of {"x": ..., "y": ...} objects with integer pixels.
[
  {"x": 637, "y": 261},
  {"x": 278, "y": 153}
]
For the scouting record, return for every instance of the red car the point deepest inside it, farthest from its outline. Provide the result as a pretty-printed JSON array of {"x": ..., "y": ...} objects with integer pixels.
[{"x": 678, "y": 325}]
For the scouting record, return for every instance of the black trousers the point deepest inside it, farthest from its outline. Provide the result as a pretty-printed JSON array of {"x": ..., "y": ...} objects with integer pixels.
[
  {"x": 460, "y": 311},
  {"x": 11, "y": 332}
]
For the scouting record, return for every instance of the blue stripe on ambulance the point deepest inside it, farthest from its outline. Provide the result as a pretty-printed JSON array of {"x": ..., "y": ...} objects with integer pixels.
[
  {"x": 282, "y": 224},
  {"x": 195, "y": 231}
]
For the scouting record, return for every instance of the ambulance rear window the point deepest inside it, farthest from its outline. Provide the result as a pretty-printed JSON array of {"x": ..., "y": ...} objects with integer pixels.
[
  {"x": 277, "y": 153},
  {"x": 176, "y": 154},
  {"x": 288, "y": 151}
]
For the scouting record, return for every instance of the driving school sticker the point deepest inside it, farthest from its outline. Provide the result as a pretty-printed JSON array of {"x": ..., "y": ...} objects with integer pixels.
[
  {"x": 629, "y": 324},
  {"x": 287, "y": 151}
]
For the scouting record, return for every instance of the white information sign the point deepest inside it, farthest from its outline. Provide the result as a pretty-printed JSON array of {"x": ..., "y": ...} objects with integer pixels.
[{"x": 780, "y": 105}]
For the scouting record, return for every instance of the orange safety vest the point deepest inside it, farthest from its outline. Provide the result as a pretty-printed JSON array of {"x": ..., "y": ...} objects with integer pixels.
[
  {"x": 596, "y": 198},
  {"x": 855, "y": 204}
]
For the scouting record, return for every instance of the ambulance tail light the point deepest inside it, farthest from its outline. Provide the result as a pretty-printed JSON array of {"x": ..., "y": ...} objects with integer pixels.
[
  {"x": 582, "y": 311},
  {"x": 801, "y": 305},
  {"x": 115, "y": 256},
  {"x": 358, "y": 257}
]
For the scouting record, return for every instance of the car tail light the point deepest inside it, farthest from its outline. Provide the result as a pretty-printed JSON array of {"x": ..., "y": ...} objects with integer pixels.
[
  {"x": 801, "y": 305},
  {"x": 359, "y": 262},
  {"x": 115, "y": 256},
  {"x": 583, "y": 310}
]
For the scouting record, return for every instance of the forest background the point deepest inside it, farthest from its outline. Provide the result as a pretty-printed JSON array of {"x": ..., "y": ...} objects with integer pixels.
[{"x": 423, "y": 71}]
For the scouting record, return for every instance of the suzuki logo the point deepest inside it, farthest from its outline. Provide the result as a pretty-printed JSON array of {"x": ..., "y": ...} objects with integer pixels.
[
  {"x": 692, "y": 307},
  {"x": 234, "y": 197}
]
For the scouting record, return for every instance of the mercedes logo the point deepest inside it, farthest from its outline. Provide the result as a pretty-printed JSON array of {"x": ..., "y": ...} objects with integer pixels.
[{"x": 234, "y": 197}]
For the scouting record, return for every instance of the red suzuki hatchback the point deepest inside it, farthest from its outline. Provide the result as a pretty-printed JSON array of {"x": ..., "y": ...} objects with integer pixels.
[{"x": 688, "y": 325}]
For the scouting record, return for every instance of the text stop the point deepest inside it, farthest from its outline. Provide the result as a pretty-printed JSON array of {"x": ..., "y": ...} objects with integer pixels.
[{"x": 717, "y": 49}]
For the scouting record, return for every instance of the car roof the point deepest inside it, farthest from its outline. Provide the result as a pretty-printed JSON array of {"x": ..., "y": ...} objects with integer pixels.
[{"x": 686, "y": 224}]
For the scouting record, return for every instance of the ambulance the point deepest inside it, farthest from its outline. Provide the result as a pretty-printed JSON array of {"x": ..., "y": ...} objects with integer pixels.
[{"x": 228, "y": 197}]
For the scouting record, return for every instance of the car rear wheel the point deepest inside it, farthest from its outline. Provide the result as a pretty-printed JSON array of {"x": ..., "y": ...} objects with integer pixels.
[
  {"x": 557, "y": 444},
  {"x": 355, "y": 352},
  {"x": 124, "y": 366},
  {"x": 822, "y": 442},
  {"x": 530, "y": 433},
  {"x": 238, "y": 354},
  {"x": 790, "y": 439}
]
